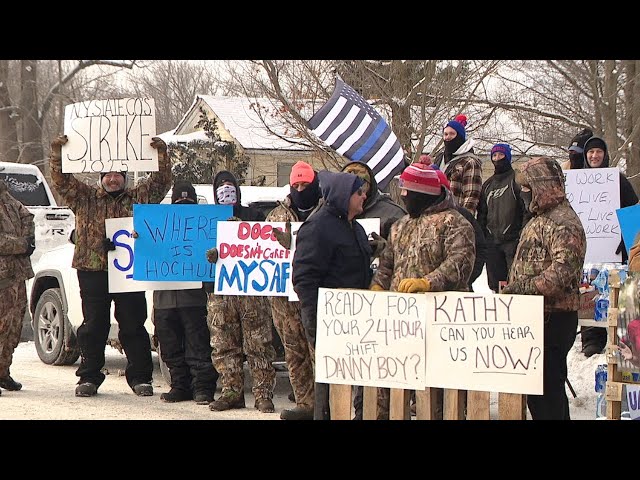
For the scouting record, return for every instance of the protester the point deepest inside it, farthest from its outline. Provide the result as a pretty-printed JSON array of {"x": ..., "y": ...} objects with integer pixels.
[
  {"x": 596, "y": 155},
  {"x": 17, "y": 243},
  {"x": 576, "y": 149},
  {"x": 379, "y": 206},
  {"x": 432, "y": 249},
  {"x": 180, "y": 318},
  {"x": 303, "y": 197},
  {"x": 332, "y": 251},
  {"x": 240, "y": 325},
  {"x": 91, "y": 206},
  {"x": 548, "y": 262},
  {"x": 461, "y": 166},
  {"x": 501, "y": 214}
]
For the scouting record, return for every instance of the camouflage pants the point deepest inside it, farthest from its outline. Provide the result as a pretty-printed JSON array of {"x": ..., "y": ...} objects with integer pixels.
[
  {"x": 13, "y": 304},
  {"x": 241, "y": 325},
  {"x": 297, "y": 351}
]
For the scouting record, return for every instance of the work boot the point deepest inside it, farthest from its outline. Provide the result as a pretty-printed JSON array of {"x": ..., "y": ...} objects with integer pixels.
[
  {"x": 86, "y": 389},
  {"x": 297, "y": 413},
  {"x": 176, "y": 395},
  {"x": 265, "y": 405},
  {"x": 227, "y": 401},
  {"x": 203, "y": 398},
  {"x": 143, "y": 389},
  {"x": 10, "y": 384}
]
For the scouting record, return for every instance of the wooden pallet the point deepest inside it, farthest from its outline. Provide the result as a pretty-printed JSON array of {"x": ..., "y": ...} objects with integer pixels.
[{"x": 510, "y": 406}]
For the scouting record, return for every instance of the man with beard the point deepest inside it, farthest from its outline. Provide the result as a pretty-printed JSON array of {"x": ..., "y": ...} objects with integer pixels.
[
  {"x": 596, "y": 155},
  {"x": 432, "y": 249},
  {"x": 91, "y": 206},
  {"x": 501, "y": 214},
  {"x": 548, "y": 262},
  {"x": 332, "y": 251},
  {"x": 296, "y": 207},
  {"x": 239, "y": 324},
  {"x": 461, "y": 166}
]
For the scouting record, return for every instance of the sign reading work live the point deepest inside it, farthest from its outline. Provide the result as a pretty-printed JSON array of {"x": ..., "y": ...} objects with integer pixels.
[
  {"x": 455, "y": 340},
  {"x": 173, "y": 240},
  {"x": 594, "y": 194},
  {"x": 251, "y": 261},
  {"x": 120, "y": 261},
  {"x": 110, "y": 135}
]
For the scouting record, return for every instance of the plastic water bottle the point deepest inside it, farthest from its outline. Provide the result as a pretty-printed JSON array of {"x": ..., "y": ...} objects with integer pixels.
[{"x": 600, "y": 387}]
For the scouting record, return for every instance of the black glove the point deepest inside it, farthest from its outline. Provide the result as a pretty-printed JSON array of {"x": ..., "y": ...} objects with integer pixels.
[
  {"x": 377, "y": 244},
  {"x": 620, "y": 247},
  {"x": 31, "y": 245},
  {"x": 108, "y": 245}
]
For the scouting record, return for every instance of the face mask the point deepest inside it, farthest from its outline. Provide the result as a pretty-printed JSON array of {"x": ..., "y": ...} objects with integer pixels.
[
  {"x": 226, "y": 195},
  {"x": 452, "y": 146},
  {"x": 415, "y": 203},
  {"x": 308, "y": 197},
  {"x": 526, "y": 198},
  {"x": 501, "y": 165}
]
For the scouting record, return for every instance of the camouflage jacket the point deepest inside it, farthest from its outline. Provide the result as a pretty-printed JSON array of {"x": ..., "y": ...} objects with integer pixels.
[
  {"x": 283, "y": 212},
  {"x": 16, "y": 224},
  {"x": 92, "y": 205},
  {"x": 552, "y": 246},
  {"x": 439, "y": 245}
]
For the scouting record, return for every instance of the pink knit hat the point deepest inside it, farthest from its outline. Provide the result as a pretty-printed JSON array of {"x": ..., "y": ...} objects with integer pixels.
[
  {"x": 301, "y": 172},
  {"x": 420, "y": 178}
]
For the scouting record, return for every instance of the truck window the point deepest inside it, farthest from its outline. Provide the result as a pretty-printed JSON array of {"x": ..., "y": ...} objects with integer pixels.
[{"x": 26, "y": 188}]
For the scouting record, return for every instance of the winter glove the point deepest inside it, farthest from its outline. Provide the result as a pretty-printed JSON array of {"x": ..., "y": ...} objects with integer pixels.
[
  {"x": 284, "y": 238},
  {"x": 31, "y": 245},
  {"x": 376, "y": 288},
  {"x": 158, "y": 144},
  {"x": 414, "y": 285},
  {"x": 108, "y": 245},
  {"x": 56, "y": 147},
  {"x": 212, "y": 255},
  {"x": 634, "y": 258},
  {"x": 234, "y": 219},
  {"x": 512, "y": 288},
  {"x": 377, "y": 244}
]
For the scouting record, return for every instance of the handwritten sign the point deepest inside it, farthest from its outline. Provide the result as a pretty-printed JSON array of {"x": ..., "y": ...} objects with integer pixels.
[
  {"x": 110, "y": 135},
  {"x": 485, "y": 342},
  {"x": 369, "y": 225},
  {"x": 594, "y": 194},
  {"x": 120, "y": 261},
  {"x": 173, "y": 240},
  {"x": 370, "y": 338},
  {"x": 633, "y": 400},
  {"x": 629, "y": 218},
  {"x": 251, "y": 261}
]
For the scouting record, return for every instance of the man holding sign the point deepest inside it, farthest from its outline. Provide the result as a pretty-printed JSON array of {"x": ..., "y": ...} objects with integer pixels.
[
  {"x": 548, "y": 262},
  {"x": 92, "y": 206}
]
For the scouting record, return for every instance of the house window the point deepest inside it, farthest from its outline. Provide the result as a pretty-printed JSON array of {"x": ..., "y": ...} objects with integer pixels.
[{"x": 284, "y": 172}]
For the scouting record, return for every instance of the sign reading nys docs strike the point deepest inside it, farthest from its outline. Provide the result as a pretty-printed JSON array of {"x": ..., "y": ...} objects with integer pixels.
[
  {"x": 110, "y": 135},
  {"x": 488, "y": 342},
  {"x": 370, "y": 338},
  {"x": 251, "y": 261}
]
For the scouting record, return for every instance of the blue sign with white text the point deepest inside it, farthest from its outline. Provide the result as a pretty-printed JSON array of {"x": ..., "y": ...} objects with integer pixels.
[{"x": 173, "y": 240}]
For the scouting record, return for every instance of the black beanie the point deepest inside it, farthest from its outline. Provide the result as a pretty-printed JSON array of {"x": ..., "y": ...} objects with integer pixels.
[
  {"x": 183, "y": 190},
  {"x": 124, "y": 175}
]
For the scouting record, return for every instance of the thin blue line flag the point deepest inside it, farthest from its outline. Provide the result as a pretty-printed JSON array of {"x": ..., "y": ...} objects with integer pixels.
[{"x": 353, "y": 128}]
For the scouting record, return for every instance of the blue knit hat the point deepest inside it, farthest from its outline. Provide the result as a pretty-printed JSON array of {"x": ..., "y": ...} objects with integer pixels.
[
  {"x": 458, "y": 125},
  {"x": 502, "y": 148}
]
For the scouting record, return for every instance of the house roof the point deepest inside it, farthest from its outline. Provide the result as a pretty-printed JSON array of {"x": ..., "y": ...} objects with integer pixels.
[{"x": 240, "y": 118}]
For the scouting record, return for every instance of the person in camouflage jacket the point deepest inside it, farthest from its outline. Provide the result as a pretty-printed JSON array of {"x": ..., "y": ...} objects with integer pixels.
[
  {"x": 17, "y": 243},
  {"x": 548, "y": 262},
  {"x": 432, "y": 249},
  {"x": 92, "y": 205},
  {"x": 296, "y": 207}
]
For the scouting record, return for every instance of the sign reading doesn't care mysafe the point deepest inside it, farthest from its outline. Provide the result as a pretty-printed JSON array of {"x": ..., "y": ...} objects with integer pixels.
[
  {"x": 111, "y": 135},
  {"x": 457, "y": 340}
]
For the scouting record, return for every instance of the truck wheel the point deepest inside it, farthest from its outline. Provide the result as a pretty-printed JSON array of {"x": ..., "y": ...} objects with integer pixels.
[{"x": 55, "y": 342}]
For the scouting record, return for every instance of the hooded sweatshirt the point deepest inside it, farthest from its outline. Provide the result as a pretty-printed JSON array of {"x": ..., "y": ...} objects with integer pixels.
[
  {"x": 248, "y": 214},
  {"x": 552, "y": 246}
]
